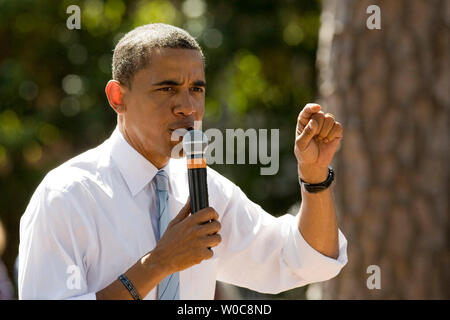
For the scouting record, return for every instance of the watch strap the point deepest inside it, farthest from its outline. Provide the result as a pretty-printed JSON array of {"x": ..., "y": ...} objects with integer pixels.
[{"x": 317, "y": 187}]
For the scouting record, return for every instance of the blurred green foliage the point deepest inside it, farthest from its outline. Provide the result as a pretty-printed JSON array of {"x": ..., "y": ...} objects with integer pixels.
[{"x": 260, "y": 57}]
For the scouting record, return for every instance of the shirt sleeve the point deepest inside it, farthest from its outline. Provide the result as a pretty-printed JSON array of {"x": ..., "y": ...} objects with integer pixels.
[
  {"x": 53, "y": 238},
  {"x": 268, "y": 254}
]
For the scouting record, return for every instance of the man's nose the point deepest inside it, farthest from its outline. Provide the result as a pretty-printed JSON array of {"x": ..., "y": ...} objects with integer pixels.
[{"x": 186, "y": 104}]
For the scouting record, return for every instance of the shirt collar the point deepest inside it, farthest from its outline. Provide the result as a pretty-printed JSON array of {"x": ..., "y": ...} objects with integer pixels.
[{"x": 134, "y": 167}]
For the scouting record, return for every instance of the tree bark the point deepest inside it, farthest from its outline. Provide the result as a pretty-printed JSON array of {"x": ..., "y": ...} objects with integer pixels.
[{"x": 390, "y": 90}]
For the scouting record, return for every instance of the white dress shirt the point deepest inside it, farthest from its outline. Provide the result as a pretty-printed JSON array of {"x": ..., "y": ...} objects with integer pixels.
[{"x": 90, "y": 220}]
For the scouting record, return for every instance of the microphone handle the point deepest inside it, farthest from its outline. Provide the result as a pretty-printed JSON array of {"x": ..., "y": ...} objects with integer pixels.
[{"x": 198, "y": 189}]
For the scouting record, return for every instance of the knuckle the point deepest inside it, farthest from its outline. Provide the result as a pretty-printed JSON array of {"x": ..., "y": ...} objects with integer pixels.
[
  {"x": 203, "y": 215},
  {"x": 311, "y": 105},
  {"x": 212, "y": 214},
  {"x": 329, "y": 119},
  {"x": 213, "y": 227}
]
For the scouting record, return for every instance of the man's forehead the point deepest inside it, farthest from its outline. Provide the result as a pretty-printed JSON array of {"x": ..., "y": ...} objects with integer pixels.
[
  {"x": 170, "y": 62},
  {"x": 171, "y": 57}
]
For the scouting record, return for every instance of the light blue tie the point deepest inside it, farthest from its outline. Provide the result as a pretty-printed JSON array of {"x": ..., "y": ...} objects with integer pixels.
[{"x": 169, "y": 287}]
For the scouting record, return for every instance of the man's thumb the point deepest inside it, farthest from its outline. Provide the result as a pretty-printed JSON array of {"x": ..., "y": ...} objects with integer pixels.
[{"x": 308, "y": 133}]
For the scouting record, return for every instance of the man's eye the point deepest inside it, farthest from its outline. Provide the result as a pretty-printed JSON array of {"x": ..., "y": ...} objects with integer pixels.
[
  {"x": 166, "y": 89},
  {"x": 197, "y": 89}
]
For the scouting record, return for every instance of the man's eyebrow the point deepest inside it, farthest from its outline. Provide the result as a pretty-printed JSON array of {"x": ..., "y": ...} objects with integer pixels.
[
  {"x": 167, "y": 83},
  {"x": 200, "y": 83},
  {"x": 197, "y": 83}
]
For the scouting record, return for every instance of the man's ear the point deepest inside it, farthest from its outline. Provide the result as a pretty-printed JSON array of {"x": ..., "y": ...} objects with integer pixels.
[{"x": 114, "y": 91}]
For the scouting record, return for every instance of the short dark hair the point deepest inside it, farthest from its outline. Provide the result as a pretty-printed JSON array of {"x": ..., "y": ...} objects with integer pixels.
[{"x": 133, "y": 50}]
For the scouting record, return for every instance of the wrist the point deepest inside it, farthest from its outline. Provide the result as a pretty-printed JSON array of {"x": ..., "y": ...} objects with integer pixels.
[
  {"x": 312, "y": 174},
  {"x": 152, "y": 266}
]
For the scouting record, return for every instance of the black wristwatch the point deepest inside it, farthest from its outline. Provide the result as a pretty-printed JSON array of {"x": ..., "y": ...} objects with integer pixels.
[{"x": 317, "y": 187}]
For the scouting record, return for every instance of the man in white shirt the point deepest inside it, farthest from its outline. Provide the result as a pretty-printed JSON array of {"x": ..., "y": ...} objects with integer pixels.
[{"x": 91, "y": 229}]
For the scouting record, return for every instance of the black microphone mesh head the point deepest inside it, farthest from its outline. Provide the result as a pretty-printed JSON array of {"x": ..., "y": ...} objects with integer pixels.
[{"x": 194, "y": 142}]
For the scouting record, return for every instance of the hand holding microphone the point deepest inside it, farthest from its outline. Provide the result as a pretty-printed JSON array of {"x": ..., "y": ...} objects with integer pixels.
[
  {"x": 188, "y": 240},
  {"x": 189, "y": 237}
]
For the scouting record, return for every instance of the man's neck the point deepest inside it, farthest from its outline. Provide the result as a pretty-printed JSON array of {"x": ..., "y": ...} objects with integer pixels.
[{"x": 157, "y": 160}]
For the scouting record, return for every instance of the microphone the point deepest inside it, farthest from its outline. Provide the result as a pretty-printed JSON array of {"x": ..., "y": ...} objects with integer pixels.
[{"x": 194, "y": 146}]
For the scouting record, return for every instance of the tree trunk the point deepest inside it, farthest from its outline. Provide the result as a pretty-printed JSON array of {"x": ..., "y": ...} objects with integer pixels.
[{"x": 390, "y": 90}]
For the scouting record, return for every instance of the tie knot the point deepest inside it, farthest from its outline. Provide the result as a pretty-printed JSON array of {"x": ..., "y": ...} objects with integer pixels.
[{"x": 162, "y": 181}]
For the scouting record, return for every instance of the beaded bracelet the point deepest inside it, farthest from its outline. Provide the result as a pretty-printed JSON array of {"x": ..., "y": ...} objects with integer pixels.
[{"x": 127, "y": 283}]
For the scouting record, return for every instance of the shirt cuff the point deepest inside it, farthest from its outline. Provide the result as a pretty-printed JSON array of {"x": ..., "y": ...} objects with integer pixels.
[{"x": 309, "y": 263}]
